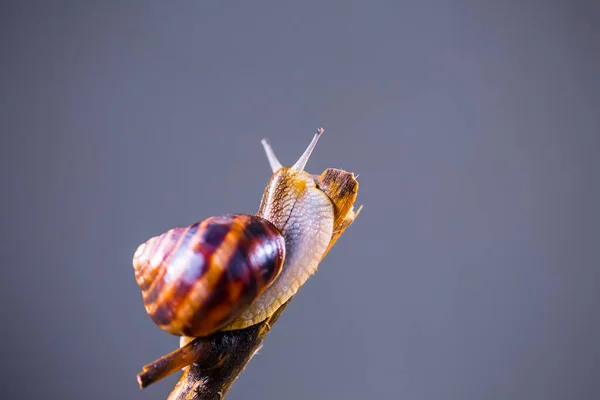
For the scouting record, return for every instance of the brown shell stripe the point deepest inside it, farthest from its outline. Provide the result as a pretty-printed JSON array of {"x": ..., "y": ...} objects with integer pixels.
[
  {"x": 203, "y": 243},
  {"x": 202, "y": 240},
  {"x": 169, "y": 292},
  {"x": 244, "y": 277},
  {"x": 173, "y": 293},
  {"x": 169, "y": 247},
  {"x": 214, "y": 284},
  {"x": 144, "y": 275},
  {"x": 148, "y": 273},
  {"x": 258, "y": 233}
]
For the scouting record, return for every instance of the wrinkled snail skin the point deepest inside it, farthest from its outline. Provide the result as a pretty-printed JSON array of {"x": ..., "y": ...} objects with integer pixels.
[
  {"x": 304, "y": 216},
  {"x": 197, "y": 279}
]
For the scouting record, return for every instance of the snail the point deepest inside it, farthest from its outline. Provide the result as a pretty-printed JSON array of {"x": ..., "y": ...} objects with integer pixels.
[
  {"x": 233, "y": 271},
  {"x": 210, "y": 281}
]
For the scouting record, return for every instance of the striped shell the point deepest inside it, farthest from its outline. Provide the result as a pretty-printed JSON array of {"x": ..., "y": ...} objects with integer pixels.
[{"x": 198, "y": 279}]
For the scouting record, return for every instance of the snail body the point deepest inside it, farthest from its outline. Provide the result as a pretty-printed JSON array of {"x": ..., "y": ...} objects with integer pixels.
[
  {"x": 231, "y": 272},
  {"x": 304, "y": 216}
]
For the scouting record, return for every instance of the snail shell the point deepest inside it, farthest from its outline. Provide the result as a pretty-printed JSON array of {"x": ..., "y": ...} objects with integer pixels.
[{"x": 198, "y": 279}]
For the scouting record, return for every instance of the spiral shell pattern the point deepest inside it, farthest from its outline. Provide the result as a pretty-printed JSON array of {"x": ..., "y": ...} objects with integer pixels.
[{"x": 198, "y": 279}]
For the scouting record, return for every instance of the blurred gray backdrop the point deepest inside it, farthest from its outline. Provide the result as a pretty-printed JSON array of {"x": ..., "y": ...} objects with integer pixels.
[{"x": 472, "y": 272}]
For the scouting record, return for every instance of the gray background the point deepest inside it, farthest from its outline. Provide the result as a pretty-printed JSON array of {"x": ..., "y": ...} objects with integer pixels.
[{"x": 474, "y": 125}]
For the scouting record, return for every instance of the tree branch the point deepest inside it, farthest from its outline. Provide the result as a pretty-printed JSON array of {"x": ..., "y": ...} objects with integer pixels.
[
  {"x": 233, "y": 351},
  {"x": 213, "y": 363}
]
